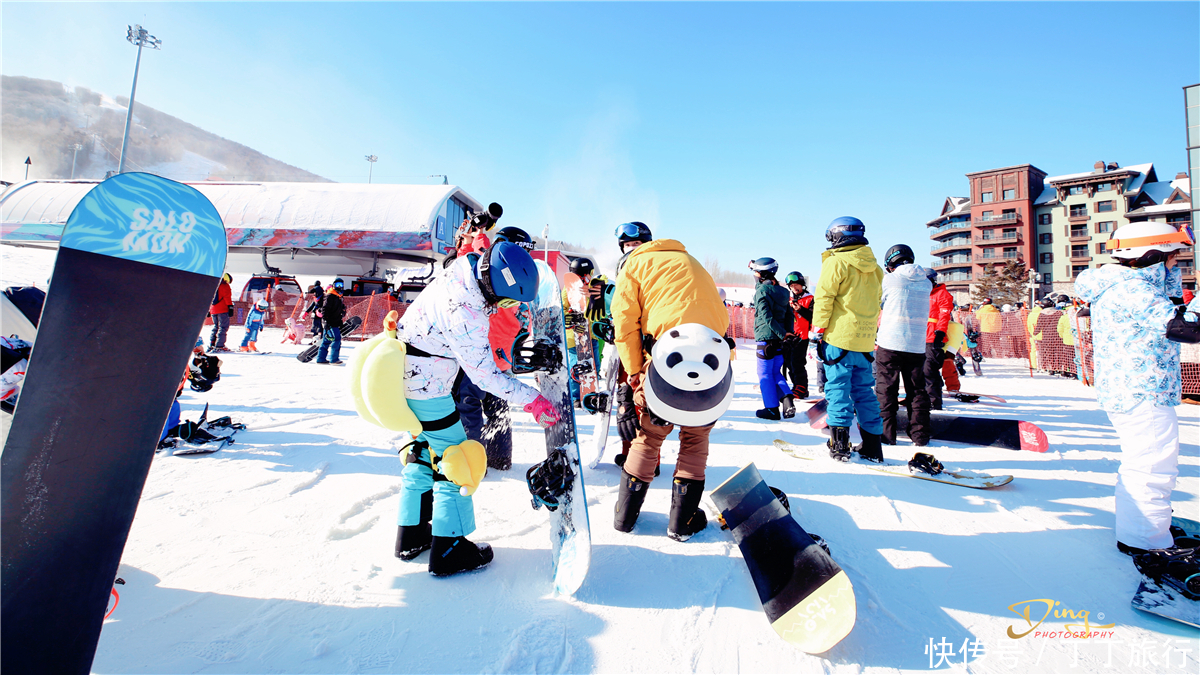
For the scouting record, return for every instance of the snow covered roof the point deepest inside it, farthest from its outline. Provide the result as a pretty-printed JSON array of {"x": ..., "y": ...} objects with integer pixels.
[
  {"x": 1049, "y": 196},
  {"x": 953, "y": 206},
  {"x": 1135, "y": 183},
  {"x": 258, "y": 214}
]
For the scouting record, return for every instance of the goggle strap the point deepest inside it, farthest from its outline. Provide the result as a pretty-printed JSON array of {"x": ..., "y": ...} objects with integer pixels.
[{"x": 1180, "y": 237}]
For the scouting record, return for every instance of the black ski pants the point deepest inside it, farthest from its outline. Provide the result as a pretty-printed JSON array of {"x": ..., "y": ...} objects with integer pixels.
[
  {"x": 795, "y": 358},
  {"x": 485, "y": 418},
  {"x": 890, "y": 368},
  {"x": 933, "y": 375}
]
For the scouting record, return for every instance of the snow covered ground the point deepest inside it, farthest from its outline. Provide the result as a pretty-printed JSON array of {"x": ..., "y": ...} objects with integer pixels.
[{"x": 275, "y": 554}]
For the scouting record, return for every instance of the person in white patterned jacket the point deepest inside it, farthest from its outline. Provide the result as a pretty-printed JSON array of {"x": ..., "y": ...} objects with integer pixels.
[{"x": 1138, "y": 322}]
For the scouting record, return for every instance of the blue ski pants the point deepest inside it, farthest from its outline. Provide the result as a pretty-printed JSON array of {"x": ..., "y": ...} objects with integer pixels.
[
  {"x": 770, "y": 374},
  {"x": 251, "y": 336},
  {"x": 453, "y": 514},
  {"x": 849, "y": 389}
]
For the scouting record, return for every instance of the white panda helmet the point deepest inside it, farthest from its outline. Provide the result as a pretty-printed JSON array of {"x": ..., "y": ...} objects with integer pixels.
[{"x": 689, "y": 382}]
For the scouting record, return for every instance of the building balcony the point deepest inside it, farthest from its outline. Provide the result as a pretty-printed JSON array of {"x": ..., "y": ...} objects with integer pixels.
[
  {"x": 996, "y": 220},
  {"x": 949, "y": 227},
  {"x": 1086, "y": 257},
  {"x": 951, "y": 279},
  {"x": 999, "y": 258},
  {"x": 1078, "y": 237},
  {"x": 953, "y": 243},
  {"x": 956, "y": 261},
  {"x": 1004, "y": 238}
]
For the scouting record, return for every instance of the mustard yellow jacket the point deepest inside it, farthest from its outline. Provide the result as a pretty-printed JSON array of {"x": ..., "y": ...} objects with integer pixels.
[
  {"x": 847, "y": 298},
  {"x": 660, "y": 287}
]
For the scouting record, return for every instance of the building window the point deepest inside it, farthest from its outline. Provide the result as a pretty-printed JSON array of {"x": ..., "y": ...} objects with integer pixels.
[
  {"x": 1045, "y": 218},
  {"x": 1010, "y": 253},
  {"x": 986, "y": 197},
  {"x": 1104, "y": 206},
  {"x": 1078, "y": 210},
  {"x": 1079, "y": 231},
  {"x": 1104, "y": 226},
  {"x": 1047, "y": 258},
  {"x": 1075, "y": 190},
  {"x": 1100, "y": 248},
  {"x": 1079, "y": 251},
  {"x": 1076, "y": 269},
  {"x": 1009, "y": 194},
  {"x": 1103, "y": 187},
  {"x": 989, "y": 253},
  {"x": 986, "y": 215},
  {"x": 1178, "y": 218},
  {"x": 1046, "y": 238}
]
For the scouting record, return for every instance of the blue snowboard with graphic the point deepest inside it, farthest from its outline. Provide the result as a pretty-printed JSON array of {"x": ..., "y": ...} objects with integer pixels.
[
  {"x": 570, "y": 535},
  {"x": 138, "y": 263}
]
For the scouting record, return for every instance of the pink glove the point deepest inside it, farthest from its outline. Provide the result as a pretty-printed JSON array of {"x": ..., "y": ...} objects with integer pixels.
[{"x": 543, "y": 411}]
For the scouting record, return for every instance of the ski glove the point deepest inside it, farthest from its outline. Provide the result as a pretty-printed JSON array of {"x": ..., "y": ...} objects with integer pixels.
[
  {"x": 543, "y": 411},
  {"x": 939, "y": 340},
  {"x": 627, "y": 416}
]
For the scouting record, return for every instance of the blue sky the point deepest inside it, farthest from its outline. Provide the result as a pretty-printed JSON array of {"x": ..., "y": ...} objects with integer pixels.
[{"x": 740, "y": 129}]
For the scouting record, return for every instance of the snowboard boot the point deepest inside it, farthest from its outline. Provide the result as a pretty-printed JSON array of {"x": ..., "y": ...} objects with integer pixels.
[
  {"x": 254, "y": 346},
  {"x": 769, "y": 413},
  {"x": 870, "y": 449},
  {"x": 925, "y": 463},
  {"x": 452, "y": 555},
  {"x": 243, "y": 348},
  {"x": 800, "y": 392},
  {"x": 839, "y": 443},
  {"x": 789, "y": 407},
  {"x": 412, "y": 540},
  {"x": 1183, "y": 539},
  {"x": 686, "y": 516},
  {"x": 629, "y": 502},
  {"x": 1173, "y": 567}
]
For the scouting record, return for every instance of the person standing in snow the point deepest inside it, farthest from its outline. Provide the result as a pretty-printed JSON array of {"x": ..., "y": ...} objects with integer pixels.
[
  {"x": 221, "y": 307},
  {"x": 941, "y": 303},
  {"x": 845, "y": 319},
  {"x": 318, "y": 326},
  {"x": 446, "y": 329},
  {"x": 660, "y": 288},
  {"x": 254, "y": 323},
  {"x": 333, "y": 312},
  {"x": 1137, "y": 326},
  {"x": 795, "y": 345},
  {"x": 629, "y": 237},
  {"x": 900, "y": 345},
  {"x": 772, "y": 323}
]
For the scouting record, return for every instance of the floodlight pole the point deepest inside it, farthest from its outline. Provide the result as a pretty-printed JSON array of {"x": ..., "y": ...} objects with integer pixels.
[
  {"x": 78, "y": 147},
  {"x": 142, "y": 38},
  {"x": 371, "y": 159}
]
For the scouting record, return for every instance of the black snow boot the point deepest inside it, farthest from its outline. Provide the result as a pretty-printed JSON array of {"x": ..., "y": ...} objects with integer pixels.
[
  {"x": 686, "y": 517},
  {"x": 839, "y": 443},
  {"x": 870, "y": 449},
  {"x": 629, "y": 502},
  {"x": 768, "y": 413},
  {"x": 451, "y": 555},
  {"x": 789, "y": 407},
  {"x": 412, "y": 540}
]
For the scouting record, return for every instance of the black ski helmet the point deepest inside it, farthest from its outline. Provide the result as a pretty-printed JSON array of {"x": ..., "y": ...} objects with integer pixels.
[
  {"x": 339, "y": 284},
  {"x": 794, "y": 278},
  {"x": 632, "y": 231},
  {"x": 846, "y": 231},
  {"x": 516, "y": 235},
  {"x": 931, "y": 274},
  {"x": 582, "y": 267},
  {"x": 900, "y": 254}
]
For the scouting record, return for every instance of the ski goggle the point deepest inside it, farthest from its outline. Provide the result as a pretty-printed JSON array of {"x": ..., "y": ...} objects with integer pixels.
[
  {"x": 507, "y": 303},
  {"x": 629, "y": 231},
  {"x": 1184, "y": 236}
]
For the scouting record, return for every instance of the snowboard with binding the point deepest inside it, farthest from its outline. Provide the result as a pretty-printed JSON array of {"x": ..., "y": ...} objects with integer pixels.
[
  {"x": 983, "y": 431},
  {"x": 807, "y": 598},
  {"x": 969, "y": 479},
  {"x": 352, "y": 324},
  {"x": 601, "y": 404},
  {"x": 557, "y": 483},
  {"x": 1166, "y": 591},
  {"x": 584, "y": 372},
  {"x": 86, "y": 425}
]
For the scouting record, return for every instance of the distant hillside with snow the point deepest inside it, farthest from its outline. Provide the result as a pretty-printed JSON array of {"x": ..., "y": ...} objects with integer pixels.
[{"x": 45, "y": 120}]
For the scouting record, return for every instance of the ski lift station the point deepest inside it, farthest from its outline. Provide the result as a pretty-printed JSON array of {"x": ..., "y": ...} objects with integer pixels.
[{"x": 297, "y": 228}]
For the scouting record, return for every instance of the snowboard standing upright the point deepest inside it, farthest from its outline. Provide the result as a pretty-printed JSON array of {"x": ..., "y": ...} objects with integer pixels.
[
  {"x": 585, "y": 368},
  {"x": 570, "y": 536},
  {"x": 807, "y": 598},
  {"x": 138, "y": 263}
]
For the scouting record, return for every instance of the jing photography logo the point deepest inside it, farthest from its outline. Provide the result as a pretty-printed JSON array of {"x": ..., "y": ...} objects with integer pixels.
[{"x": 1026, "y": 609}]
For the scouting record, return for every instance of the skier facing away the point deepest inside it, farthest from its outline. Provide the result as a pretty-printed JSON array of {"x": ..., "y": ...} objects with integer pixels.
[
  {"x": 772, "y": 321},
  {"x": 1138, "y": 321},
  {"x": 900, "y": 345},
  {"x": 446, "y": 328},
  {"x": 845, "y": 318},
  {"x": 660, "y": 289}
]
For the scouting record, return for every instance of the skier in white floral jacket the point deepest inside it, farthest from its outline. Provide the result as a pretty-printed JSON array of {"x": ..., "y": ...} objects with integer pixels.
[
  {"x": 446, "y": 328},
  {"x": 1137, "y": 323}
]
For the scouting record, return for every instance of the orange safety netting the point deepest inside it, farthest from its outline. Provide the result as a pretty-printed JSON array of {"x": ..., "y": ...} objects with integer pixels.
[
  {"x": 1052, "y": 341},
  {"x": 372, "y": 308}
]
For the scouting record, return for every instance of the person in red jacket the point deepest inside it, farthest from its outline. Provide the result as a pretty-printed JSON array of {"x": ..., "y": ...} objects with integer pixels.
[
  {"x": 941, "y": 303},
  {"x": 795, "y": 345},
  {"x": 222, "y": 305}
]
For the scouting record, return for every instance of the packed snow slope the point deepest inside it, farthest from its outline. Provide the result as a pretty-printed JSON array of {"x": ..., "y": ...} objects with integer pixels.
[{"x": 275, "y": 555}]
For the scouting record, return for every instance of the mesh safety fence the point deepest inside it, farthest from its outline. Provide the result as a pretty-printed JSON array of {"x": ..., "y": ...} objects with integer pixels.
[
  {"x": 1051, "y": 340},
  {"x": 372, "y": 308}
]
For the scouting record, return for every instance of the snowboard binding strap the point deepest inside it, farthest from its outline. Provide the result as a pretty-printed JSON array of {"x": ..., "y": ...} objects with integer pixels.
[
  {"x": 596, "y": 402},
  {"x": 549, "y": 480},
  {"x": 532, "y": 356},
  {"x": 925, "y": 463},
  {"x": 602, "y": 329}
]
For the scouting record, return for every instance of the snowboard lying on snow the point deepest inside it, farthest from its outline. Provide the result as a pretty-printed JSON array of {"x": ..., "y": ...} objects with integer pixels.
[
  {"x": 1165, "y": 598},
  {"x": 86, "y": 424},
  {"x": 970, "y": 479},
  {"x": 984, "y": 431},
  {"x": 807, "y": 598}
]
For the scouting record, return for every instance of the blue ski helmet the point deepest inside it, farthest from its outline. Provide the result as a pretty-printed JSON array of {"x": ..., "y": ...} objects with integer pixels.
[
  {"x": 633, "y": 231},
  {"x": 932, "y": 275},
  {"x": 764, "y": 266},
  {"x": 846, "y": 231},
  {"x": 506, "y": 270}
]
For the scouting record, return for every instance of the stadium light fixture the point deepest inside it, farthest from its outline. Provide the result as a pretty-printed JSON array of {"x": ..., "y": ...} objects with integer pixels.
[{"x": 141, "y": 38}]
